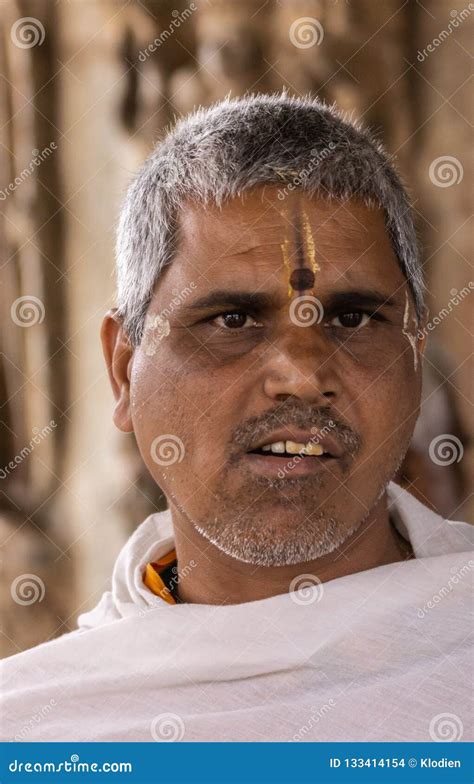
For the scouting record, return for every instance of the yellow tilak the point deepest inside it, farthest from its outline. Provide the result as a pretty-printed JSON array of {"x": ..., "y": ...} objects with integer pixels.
[
  {"x": 310, "y": 244},
  {"x": 286, "y": 261}
]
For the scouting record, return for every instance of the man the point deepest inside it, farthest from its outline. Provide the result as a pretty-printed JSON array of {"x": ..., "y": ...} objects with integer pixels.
[{"x": 266, "y": 352}]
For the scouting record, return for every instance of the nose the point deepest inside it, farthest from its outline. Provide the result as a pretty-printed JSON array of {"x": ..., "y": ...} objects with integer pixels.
[{"x": 301, "y": 364}]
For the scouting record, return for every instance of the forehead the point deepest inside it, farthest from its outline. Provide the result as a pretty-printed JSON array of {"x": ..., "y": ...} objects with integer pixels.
[{"x": 242, "y": 241}]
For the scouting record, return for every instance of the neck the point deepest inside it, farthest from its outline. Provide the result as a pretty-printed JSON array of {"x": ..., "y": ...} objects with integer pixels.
[{"x": 212, "y": 577}]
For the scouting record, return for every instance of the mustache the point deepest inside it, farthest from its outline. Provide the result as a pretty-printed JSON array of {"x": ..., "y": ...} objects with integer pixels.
[{"x": 293, "y": 413}]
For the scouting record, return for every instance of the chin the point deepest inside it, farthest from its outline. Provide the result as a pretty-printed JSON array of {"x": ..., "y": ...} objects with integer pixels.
[{"x": 265, "y": 540}]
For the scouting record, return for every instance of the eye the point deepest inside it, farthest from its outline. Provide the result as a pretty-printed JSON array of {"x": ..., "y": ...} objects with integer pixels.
[
  {"x": 351, "y": 319},
  {"x": 235, "y": 319}
]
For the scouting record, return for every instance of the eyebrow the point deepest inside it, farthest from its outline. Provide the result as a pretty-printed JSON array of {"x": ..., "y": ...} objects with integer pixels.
[
  {"x": 258, "y": 301},
  {"x": 250, "y": 299},
  {"x": 360, "y": 298}
]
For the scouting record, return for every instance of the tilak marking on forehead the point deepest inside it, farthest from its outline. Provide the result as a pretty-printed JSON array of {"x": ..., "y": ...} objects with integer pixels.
[
  {"x": 302, "y": 276},
  {"x": 285, "y": 250},
  {"x": 311, "y": 250}
]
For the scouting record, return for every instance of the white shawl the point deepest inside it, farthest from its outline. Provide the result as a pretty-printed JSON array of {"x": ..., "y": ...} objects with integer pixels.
[{"x": 382, "y": 655}]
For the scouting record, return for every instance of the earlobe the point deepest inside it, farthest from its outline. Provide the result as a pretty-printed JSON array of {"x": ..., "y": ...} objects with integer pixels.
[{"x": 118, "y": 353}]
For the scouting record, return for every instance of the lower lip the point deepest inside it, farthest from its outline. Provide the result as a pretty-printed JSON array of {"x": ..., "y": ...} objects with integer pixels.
[{"x": 290, "y": 466}]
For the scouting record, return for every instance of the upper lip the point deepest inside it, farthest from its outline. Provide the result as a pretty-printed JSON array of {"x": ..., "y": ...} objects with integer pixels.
[{"x": 327, "y": 440}]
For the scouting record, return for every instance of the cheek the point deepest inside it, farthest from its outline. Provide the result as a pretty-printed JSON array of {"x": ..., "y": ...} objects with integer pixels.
[
  {"x": 383, "y": 393},
  {"x": 219, "y": 403},
  {"x": 388, "y": 404},
  {"x": 181, "y": 420},
  {"x": 158, "y": 413}
]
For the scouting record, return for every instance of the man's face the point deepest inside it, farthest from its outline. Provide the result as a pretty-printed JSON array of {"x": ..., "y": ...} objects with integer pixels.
[{"x": 287, "y": 323}]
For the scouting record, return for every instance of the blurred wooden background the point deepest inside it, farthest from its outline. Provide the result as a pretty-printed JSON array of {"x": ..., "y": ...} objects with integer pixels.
[{"x": 83, "y": 97}]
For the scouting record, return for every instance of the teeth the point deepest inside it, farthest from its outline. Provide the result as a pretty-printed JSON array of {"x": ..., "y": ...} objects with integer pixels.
[
  {"x": 293, "y": 448},
  {"x": 314, "y": 449},
  {"x": 278, "y": 447}
]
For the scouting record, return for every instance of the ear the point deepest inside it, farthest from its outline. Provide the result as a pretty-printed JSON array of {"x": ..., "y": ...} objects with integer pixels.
[
  {"x": 118, "y": 353},
  {"x": 422, "y": 332}
]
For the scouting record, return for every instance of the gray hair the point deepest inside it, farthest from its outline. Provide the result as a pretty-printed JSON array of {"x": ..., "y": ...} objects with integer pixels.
[{"x": 219, "y": 152}]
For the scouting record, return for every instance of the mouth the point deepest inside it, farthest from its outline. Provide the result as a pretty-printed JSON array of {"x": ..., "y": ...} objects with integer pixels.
[
  {"x": 289, "y": 454},
  {"x": 288, "y": 450}
]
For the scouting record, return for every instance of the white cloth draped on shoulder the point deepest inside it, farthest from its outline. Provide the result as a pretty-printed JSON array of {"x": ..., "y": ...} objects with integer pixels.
[{"x": 381, "y": 655}]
